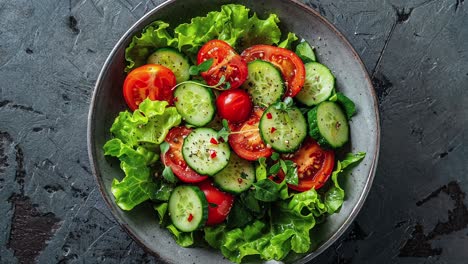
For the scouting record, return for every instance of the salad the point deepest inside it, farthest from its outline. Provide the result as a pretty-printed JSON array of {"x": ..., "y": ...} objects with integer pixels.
[{"x": 231, "y": 134}]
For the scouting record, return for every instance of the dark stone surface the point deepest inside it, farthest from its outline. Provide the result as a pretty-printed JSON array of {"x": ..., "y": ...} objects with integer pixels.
[{"x": 50, "y": 56}]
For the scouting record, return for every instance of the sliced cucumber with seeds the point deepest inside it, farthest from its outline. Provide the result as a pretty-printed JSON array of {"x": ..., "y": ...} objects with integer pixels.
[
  {"x": 188, "y": 208},
  {"x": 318, "y": 86},
  {"x": 264, "y": 83},
  {"x": 237, "y": 177},
  {"x": 283, "y": 130},
  {"x": 204, "y": 153},
  {"x": 328, "y": 125},
  {"x": 195, "y": 103},
  {"x": 174, "y": 60}
]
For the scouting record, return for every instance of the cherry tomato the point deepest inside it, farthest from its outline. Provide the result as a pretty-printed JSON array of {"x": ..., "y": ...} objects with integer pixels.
[
  {"x": 245, "y": 138},
  {"x": 219, "y": 203},
  {"x": 290, "y": 65},
  {"x": 226, "y": 62},
  {"x": 173, "y": 157},
  {"x": 152, "y": 80},
  {"x": 314, "y": 166},
  {"x": 234, "y": 105}
]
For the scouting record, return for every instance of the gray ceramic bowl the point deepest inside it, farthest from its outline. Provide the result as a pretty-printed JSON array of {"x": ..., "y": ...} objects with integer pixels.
[{"x": 333, "y": 50}]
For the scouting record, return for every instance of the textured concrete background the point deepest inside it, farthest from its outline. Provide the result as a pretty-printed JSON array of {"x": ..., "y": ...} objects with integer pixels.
[{"x": 51, "y": 52}]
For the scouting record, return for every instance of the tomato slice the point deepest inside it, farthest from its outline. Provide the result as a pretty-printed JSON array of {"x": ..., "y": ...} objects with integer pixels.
[
  {"x": 219, "y": 203},
  {"x": 314, "y": 166},
  {"x": 226, "y": 62},
  {"x": 152, "y": 81},
  {"x": 173, "y": 157},
  {"x": 290, "y": 65},
  {"x": 245, "y": 138}
]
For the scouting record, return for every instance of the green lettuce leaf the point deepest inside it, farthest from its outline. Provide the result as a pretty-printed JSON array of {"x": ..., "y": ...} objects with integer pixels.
[
  {"x": 334, "y": 197},
  {"x": 214, "y": 235},
  {"x": 288, "y": 230},
  {"x": 231, "y": 24},
  {"x": 137, "y": 137},
  {"x": 183, "y": 239},
  {"x": 135, "y": 188},
  {"x": 288, "y": 41},
  {"x": 147, "y": 126},
  {"x": 161, "y": 209},
  {"x": 348, "y": 105},
  {"x": 153, "y": 36},
  {"x": 267, "y": 190}
]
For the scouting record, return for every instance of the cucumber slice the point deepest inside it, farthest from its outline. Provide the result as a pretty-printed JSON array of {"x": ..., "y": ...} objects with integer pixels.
[
  {"x": 283, "y": 130},
  {"x": 188, "y": 208},
  {"x": 305, "y": 52},
  {"x": 202, "y": 155},
  {"x": 174, "y": 60},
  {"x": 318, "y": 86},
  {"x": 237, "y": 177},
  {"x": 195, "y": 103},
  {"x": 328, "y": 125},
  {"x": 264, "y": 83}
]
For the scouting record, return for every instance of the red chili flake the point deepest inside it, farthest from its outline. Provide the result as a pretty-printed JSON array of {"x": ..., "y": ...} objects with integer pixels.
[
  {"x": 213, "y": 154},
  {"x": 239, "y": 180},
  {"x": 213, "y": 141},
  {"x": 175, "y": 99},
  {"x": 190, "y": 218},
  {"x": 272, "y": 129},
  {"x": 269, "y": 116}
]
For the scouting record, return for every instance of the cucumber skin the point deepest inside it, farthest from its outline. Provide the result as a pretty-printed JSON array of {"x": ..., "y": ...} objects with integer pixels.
[
  {"x": 202, "y": 197},
  {"x": 314, "y": 131}
]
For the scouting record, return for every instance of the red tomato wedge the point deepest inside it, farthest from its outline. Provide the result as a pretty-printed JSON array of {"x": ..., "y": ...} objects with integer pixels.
[
  {"x": 152, "y": 81},
  {"x": 314, "y": 166},
  {"x": 173, "y": 157},
  {"x": 219, "y": 203},
  {"x": 245, "y": 138},
  {"x": 226, "y": 62},
  {"x": 290, "y": 65}
]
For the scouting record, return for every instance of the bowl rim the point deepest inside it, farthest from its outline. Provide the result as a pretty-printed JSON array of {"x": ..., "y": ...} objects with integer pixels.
[{"x": 373, "y": 166}]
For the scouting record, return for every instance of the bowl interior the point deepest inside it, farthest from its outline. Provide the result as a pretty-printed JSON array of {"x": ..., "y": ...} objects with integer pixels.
[{"x": 332, "y": 50}]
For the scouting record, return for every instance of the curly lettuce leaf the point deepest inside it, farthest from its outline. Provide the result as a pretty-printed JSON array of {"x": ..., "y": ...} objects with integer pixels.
[
  {"x": 231, "y": 24},
  {"x": 214, "y": 235},
  {"x": 334, "y": 197},
  {"x": 288, "y": 230},
  {"x": 183, "y": 239},
  {"x": 137, "y": 137},
  {"x": 287, "y": 43},
  {"x": 125, "y": 153},
  {"x": 161, "y": 209},
  {"x": 148, "y": 125},
  {"x": 153, "y": 36}
]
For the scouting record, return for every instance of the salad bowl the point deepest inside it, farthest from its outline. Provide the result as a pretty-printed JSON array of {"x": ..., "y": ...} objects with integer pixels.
[{"x": 331, "y": 48}]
